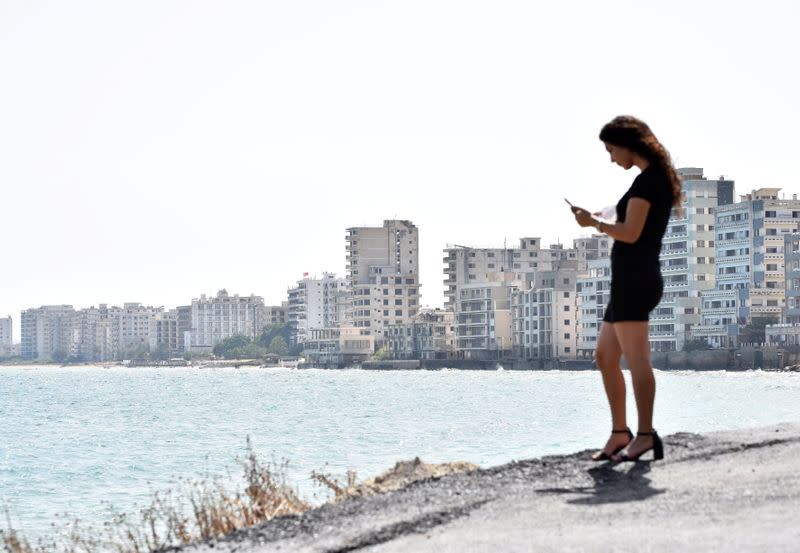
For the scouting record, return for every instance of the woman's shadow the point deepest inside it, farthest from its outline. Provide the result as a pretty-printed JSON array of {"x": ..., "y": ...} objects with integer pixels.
[{"x": 612, "y": 486}]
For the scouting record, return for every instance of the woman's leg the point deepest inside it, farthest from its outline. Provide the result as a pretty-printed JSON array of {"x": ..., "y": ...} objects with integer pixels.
[
  {"x": 633, "y": 339},
  {"x": 607, "y": 357}
]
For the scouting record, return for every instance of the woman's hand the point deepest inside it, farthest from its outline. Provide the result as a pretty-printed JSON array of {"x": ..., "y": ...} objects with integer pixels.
[{"x": 583, "y": 217}]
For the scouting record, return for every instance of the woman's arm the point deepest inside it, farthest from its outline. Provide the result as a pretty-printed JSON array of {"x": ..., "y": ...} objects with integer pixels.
[{"x": 629, "y": 231}]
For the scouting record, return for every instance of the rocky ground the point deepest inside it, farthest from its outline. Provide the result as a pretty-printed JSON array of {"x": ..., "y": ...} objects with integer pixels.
[{"x": 727, "y": 491}]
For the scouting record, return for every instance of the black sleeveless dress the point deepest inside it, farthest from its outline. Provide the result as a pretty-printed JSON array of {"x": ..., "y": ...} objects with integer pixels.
[{"x": 636, "y": 284}]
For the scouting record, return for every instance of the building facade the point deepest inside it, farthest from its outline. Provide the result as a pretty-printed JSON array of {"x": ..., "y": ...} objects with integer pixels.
[
  {"x": 47, "y": 332},
  {"x": 316, "y": 303},
  {"x": 6, "y": 336},
  {"x": 217, "y": 318},
  {"x": 431, "y": 335},
  {"x": 546, "y": 316},
  {"x": 594, "y": 291},
  {"x": 750, "y": 279},
  {"x": 687, "y": 259},
  {"x": 383, "y": 275}
]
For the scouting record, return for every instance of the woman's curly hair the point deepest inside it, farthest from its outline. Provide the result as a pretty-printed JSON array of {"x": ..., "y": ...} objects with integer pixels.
[{"x": 634, "y": 134}]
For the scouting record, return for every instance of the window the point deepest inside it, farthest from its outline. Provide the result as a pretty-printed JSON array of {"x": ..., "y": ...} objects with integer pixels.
[
  {"x": 566, "y": 308},
  {"x": 566, "y": 294},
  {"x": 398, "y": 312},
  {"x": 398, "y": 302},
  {"x": 566, "y": 281},
  {"x": 566, "y": 322},
  {"x": 566, "y": 335}
]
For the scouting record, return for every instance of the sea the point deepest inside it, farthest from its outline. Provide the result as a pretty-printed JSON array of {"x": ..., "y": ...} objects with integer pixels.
[{"x": 85, "y": 442}]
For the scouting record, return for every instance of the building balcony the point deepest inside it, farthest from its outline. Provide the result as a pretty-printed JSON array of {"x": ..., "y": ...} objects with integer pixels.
[
  {"x": 703, "y": 331},
  {"x": 675, "y": 269}
]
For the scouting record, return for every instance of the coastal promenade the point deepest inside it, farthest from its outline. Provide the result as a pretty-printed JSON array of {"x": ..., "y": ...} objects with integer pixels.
[{"x": 724, "y": 491}]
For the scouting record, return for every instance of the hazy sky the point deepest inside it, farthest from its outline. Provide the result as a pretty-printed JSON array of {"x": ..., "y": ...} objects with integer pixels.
[{"x": 152, "y": 151}]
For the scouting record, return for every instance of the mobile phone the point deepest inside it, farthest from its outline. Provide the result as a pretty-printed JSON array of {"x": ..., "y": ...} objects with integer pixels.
[{"x": 570, "y": 203}]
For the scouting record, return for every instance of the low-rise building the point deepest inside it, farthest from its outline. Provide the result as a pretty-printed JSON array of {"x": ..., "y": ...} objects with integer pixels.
[
  {"x": 340, "y": 346},
  {"x": 431, "y": 335}
]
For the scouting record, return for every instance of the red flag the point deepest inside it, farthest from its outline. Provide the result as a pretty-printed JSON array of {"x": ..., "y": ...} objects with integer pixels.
[{"x": 305, "y": 275}]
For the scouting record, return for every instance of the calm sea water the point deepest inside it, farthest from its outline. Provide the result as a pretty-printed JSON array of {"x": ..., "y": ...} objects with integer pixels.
[{"x": 74, "y": 438}]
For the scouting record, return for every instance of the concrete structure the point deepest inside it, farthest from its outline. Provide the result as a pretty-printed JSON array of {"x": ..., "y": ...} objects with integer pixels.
[
  {"x": 6, "y": 328},
  {"x": 47, "y": 332},
  {"x": 483, "y": 319},
  {"x": 341, "y": 346},
  {"x": 277, "y": 314},
  {"x": 431, "y": 335},
  {"x": 317, "y": 303},
  {"x": 93, "y": 339},
  {"x": 165, "y": 338},
  {"x": 750, "y": 279},
  {"x": 546, "y": 316},
  {"x": 223, "y": 316},
  {"x": 791, "y": 277},
  {"x": 687, "y": 259},
  {"x": 470, "y": 265},
  {"x": 383, "y": 274},
  {"x": 130, "y": 329},
  {"x": 593, "y": 290}
]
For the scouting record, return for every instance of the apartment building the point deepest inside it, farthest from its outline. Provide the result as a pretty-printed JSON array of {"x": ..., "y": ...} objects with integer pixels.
[
  {"x": 130, "y": 329},
  {"x": 165, "y": 337},
  {"x": 594, "y": 291},
  {"x": 687, "y": 259},
  {"x": 546, "y": 316},
  {"x": 750, "y": 280},
  {"x": 483, "y": 318},
  {"x": 383, "y": 275},
  {"x": 93, "y": 339},
  {"x": 316, "y": 303},
  {"x": 6, "y": 337},
  {"x": 277, "y": 314},
  {"x": 222, "y": 316},
  {"x": 431, "y": 335},
  {"x": 47, "y": 332}
]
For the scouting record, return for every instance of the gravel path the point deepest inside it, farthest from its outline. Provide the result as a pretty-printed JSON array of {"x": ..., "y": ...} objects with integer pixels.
[{"x": 726, "y": 491}]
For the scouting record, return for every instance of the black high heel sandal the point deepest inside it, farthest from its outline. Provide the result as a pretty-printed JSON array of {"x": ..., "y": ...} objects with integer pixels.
[
  {"x": 603, "y": 456},
  {"x": 657, "y": 447}
]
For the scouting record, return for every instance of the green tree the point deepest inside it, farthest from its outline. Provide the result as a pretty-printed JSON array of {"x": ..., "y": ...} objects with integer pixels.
[
  {"x": 239, "y": 347},
  {"x": 755, "y": 332},
  {"x": 278, "y": 346}
]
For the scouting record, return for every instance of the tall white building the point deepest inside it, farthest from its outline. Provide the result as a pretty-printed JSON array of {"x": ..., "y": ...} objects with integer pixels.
[
  {"x": 594, "y": 291},
  {"x": 93, "y": 339},
  {"x": 749, "y": 265},
  {"x": 47, "y": 332},
  {"x": 6, "y": 328},
  {"x": 687, "y": 259},
  {"x": 130, "y": 329},
  {"x": 217, "y": 318},
  {"x": 316, "y": 303},
  {"x": 383, "y": 274}
]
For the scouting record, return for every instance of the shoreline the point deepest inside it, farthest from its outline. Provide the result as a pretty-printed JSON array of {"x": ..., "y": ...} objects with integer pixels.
[
  {"x": 388, "y": 366},
  {"x": 720, "y": 491}
]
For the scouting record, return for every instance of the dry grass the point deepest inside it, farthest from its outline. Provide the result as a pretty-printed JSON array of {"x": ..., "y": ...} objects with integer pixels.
[{"x": 199, "y": 510}]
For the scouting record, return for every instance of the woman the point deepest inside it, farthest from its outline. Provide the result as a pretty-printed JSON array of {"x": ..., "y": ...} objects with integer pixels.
[{"x": 636, "y": 284}]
